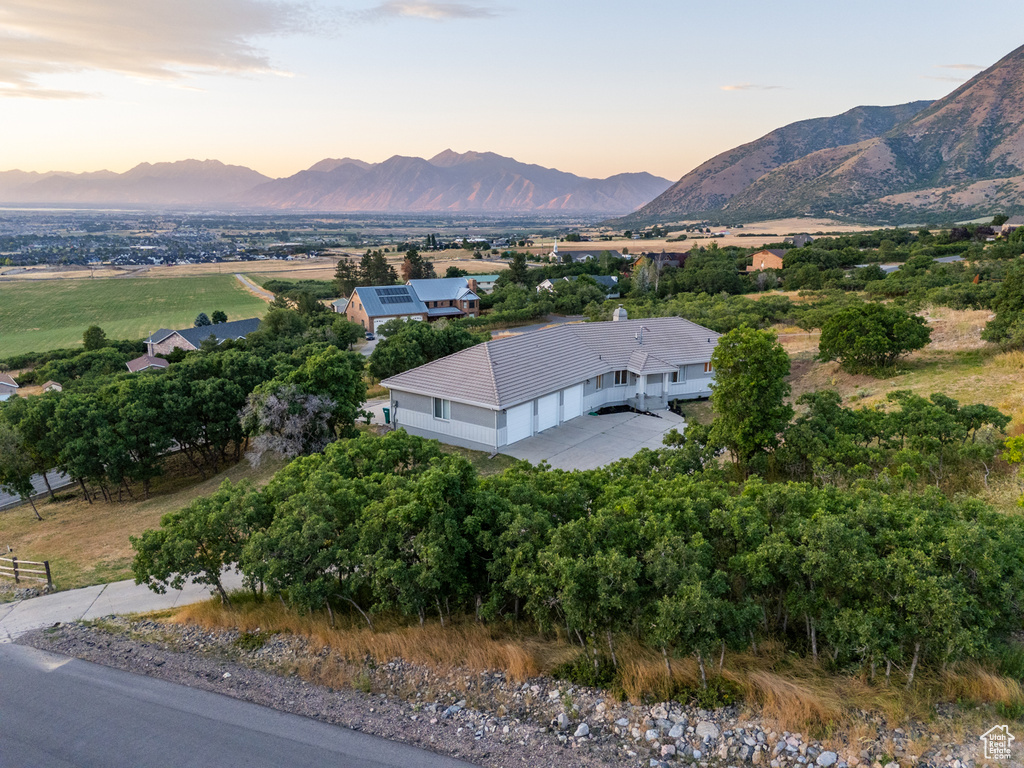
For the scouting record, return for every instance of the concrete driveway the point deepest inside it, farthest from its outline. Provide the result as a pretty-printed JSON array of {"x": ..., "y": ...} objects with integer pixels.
[{"x": 589, "y": 442}]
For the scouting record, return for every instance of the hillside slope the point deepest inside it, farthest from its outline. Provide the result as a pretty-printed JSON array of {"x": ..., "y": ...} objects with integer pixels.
[{"x": 710, "y": 186}]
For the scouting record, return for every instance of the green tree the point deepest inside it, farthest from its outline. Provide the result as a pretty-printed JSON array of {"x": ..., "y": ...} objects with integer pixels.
[
  {"x": 375, "y": 270},
  {"x": 200, "y": 541},
  {"x": 518, "y": 272},
  {"x": 1007, "y": 327},
  {"x": 94, "y": 338},
  {"x": 201, "y": 320},
  {"x": 454, "y": 271},
  {"x": 16, "y": 468},
  {"x": 868, "y": 336},
  {"x": 219, "y": 316},
  {"x": 346, "y": 277},
  {"x": 749, "y": 393},
  {"x": 406, "y": 345},
  {"x": 415, "y": 267}
]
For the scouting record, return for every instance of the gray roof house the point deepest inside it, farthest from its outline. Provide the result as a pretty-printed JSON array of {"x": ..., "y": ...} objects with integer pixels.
[
  {"x": 610, "y": 283},
  {"x": 8, "y": 387},
  {"x": 165, "y": 341},
  {"x": 445, "y": 296},
  {"x": 146, "y": 362},
  {"x": 497, "y": 393}
]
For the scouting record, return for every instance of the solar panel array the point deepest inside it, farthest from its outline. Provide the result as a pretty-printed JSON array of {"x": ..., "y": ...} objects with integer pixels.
[{"x": 396, "y": 295}]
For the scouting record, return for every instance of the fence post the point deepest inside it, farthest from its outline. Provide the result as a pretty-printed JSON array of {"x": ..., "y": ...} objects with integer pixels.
[
  {"x": 14, "y": 560},
  {"x": 49, "y": 580}
]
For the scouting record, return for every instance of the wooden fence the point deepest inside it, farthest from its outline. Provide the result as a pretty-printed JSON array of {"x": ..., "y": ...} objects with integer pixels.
[{"x": 12, "y": 567}]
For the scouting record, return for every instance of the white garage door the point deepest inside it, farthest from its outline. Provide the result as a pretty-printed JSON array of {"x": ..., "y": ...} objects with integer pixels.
[
  {"x": 547, "y": 412},
  {"x": 572, "y": 402},
  {"x": 519, "y": 423}
]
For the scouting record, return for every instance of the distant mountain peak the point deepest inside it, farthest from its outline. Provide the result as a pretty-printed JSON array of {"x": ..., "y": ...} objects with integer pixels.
[{"x": 481, "y": 182}]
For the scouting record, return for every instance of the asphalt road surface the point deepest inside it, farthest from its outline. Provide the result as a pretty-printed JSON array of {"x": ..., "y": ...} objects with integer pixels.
[{"x": 56, "y": 712}]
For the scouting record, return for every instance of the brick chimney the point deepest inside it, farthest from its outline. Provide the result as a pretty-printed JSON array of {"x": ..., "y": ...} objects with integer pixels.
[{"x": 471, "y": 284}]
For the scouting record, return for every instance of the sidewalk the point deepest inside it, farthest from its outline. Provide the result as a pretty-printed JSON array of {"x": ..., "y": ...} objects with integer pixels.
[{"x": 93, "y": 602}]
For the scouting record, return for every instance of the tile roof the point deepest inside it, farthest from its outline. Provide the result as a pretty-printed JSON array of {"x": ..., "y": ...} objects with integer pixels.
[
  {"x": 236, "y": 329},
  {"x": 388, "y": 300},
  {"x": 5, "y": 378},
  {"x": 512, "y": 370},
  {"x": 146, "y": 361}
]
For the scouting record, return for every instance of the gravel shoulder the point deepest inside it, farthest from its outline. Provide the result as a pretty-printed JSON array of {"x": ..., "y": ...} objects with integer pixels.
[{"x": 481, "y": 718}]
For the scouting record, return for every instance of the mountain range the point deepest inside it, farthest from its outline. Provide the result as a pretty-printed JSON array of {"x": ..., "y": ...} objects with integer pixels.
[
  {"x": 470, "y": 182},
  {"x": 959, "y": 157}
]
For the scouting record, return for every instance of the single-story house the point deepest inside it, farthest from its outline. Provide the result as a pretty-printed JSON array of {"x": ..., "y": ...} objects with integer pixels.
[
  {"x": 165, "y": 341},
  {"x": 769, "y": 258},
  {"x": 8, "y": 387},
  {"x": 339, "y": 306},
  {"x": 448, "y": 296},
  {"x": 1011, "y": 224},
  {"x": 505, "y": 390},
  {"x": 610, "y": 283},
  {"x": 146, "y": 362},
  {"x": 53, "y": 386},
  {"x": 663, "y": 260},
  {"x": 799, "y": 241},
  {"x": 581, "y": 256}
]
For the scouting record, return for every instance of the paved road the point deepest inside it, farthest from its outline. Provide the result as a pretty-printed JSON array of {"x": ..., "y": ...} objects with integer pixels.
[
  {"x": 94, "y": 602},
  {"x": 57, "y": 712},
  {"x": 254, "y": 288},
  {"x": 57, "y": 480},
  {"x": 549, "y": 322}
]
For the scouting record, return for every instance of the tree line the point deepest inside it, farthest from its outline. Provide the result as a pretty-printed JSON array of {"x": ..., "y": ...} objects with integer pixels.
[{"x": 836, "y": 532}]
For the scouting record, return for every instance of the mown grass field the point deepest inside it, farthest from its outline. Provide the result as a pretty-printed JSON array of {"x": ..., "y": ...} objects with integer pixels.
[{"x": 37, "y": 316}]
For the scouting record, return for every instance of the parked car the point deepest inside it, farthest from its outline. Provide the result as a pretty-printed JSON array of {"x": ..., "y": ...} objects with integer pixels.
[{"x": 369, "y": 336}]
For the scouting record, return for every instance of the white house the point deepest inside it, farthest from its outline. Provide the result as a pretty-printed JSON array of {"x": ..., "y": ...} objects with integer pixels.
[
  {"x": 8, "y": 387},
  {"x": 505, "y": 390}
]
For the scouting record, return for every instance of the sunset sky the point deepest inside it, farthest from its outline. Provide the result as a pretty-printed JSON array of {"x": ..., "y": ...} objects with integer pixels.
[{"x": 594, "y": 87}]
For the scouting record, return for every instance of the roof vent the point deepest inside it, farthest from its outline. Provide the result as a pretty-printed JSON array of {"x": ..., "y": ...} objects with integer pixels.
[{"x": 619, "y": 314}]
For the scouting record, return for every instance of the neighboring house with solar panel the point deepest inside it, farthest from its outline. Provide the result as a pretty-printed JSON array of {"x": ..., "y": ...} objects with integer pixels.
[
  {"x": 508, "y": 389},
  {"x": 373, "y": 306}
]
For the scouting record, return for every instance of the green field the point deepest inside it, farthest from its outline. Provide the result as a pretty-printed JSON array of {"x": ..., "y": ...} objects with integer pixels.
[{"x": 48, "y": 314}]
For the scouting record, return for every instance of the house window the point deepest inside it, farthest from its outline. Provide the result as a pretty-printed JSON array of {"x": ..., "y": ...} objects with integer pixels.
[
  {"x": 707, "y": 368},
  {"x": 621, "y": 378},
  {"x": 442, "y": 409},
  {"x": 674, "y": 377},
  {"x": 600, "y": 382}
]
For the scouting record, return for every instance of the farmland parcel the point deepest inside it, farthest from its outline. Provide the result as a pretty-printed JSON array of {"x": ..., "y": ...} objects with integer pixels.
[{"x": 37, "y": 316}]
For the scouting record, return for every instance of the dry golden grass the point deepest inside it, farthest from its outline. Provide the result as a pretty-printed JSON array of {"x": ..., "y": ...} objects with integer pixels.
[
  {"x": 957, "y": 363},
  {"x": 88, "y": 543},
  {"x": 789, "y": 693},
  {"x": 955, "y": 330},
  {"x": 463, "y": 644}
]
